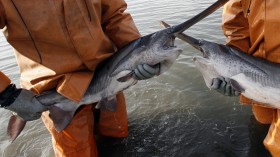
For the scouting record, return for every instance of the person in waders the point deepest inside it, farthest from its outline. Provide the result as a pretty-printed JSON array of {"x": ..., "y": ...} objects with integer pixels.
[{"x": 58, "y": 44}]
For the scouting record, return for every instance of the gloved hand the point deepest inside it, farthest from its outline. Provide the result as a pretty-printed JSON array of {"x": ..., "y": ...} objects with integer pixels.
[
  {"x": 145, "y": 71},
  {"x": 223, "y": 86},
  {"x": 23, "y": 102}
]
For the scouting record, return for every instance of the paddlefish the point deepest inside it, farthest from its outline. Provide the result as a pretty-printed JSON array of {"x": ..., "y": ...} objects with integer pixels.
[
  {"x": 255, "y": 78},
  {"x": 116, "y": 74}
]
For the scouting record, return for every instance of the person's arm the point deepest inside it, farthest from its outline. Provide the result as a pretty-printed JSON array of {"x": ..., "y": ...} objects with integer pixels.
[
  {"x": 118, "y": 24},
  {"x": 21, "y": 101},
  {"x": 4, "y": 82},
  {"x": 18, "y": 100},
  {"x": 235, "y": 25},
  {"x": 2, "y": 16}
]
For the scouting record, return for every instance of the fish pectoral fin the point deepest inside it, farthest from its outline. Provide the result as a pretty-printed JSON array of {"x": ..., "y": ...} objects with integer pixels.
[
  {"x": 15, "y": 126},
  {"x": 61, "y": 118},
  {"x": 126, "y": 77},
  {"x": 236, "y": 86},
  {"x": 108, "y": 104}
]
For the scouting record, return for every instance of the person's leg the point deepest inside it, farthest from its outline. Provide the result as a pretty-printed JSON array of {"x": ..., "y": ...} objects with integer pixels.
[
  {"x": 77, "y": 139},
  {"x": 263, "y": 115},
  {"x": 272, "y": 140},
  {"x": 257, "y": 133},
  {"x": 113, "y": 124}
]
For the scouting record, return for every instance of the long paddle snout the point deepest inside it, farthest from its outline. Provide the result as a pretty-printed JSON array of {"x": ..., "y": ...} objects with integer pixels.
[{"x": 185, "y": 25}]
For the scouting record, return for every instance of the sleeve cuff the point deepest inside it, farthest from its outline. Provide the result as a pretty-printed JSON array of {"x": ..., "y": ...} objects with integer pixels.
[{"x": 4, "y": 81}]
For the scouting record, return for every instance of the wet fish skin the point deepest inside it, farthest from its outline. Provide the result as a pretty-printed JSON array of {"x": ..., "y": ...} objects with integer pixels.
[
  {"x": 115, "y": 74},
  {"x": 255, "y": 78}
]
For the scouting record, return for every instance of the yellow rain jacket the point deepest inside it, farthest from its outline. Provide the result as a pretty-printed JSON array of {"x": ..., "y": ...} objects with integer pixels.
[
  {"x": 58, "y": 44},
  {"x": 253, "y": 26}
]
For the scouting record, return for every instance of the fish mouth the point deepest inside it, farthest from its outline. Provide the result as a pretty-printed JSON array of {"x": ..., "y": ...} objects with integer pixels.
[
  {"x": 196, "y": 43},
  {"x": 206, "y": 68},
  {"x": 169, "y": 43},
  {"x": 201, "y": 61},
  {"x": 192, "y": 41}
]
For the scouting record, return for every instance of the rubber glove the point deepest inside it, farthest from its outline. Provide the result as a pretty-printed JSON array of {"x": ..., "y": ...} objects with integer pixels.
[
  {"x": 23, "y": 102},
  {"x": 223, "y": 86},
  {"x": 145, "y": 71}
]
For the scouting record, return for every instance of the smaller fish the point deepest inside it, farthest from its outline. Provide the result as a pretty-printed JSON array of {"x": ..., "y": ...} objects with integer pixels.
[{"x": 253, "y": 77}]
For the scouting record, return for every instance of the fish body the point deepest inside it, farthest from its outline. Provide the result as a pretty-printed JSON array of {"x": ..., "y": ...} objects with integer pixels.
[
  {"x": 116, "y": 73},
  {"x": 255, "y": 78},
  {"x": 152, "y": 49}
]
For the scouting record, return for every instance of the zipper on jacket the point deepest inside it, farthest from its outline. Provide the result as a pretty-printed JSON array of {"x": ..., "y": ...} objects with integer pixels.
[
  {"x": 33, "y": 41},
  {"x": 248, "y": 9}
]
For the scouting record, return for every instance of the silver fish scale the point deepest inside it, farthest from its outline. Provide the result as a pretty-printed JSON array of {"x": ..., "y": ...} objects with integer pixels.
[
  {"x": 234, "y": 65},
  {"x": 268, "y": 80},
  {"x": 100, "y": 81}
]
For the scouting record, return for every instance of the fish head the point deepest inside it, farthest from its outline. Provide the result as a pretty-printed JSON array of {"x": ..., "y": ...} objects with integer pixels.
[
  {"x": 165, "y": 49},
  {"x": 209, "y": 50},
  {"x": 212, "y": 51},
  {"x": 207, "y": 69},
  {"x": 158, "y": 47},
  {"x": 162, "y": 50},
  {"x": 213, "y": 62}
]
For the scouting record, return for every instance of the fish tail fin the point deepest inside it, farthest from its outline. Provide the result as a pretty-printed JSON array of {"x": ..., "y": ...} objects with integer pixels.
[
  {"x": 61, "y": 118},
  {"x": 15, "y": 126}
]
